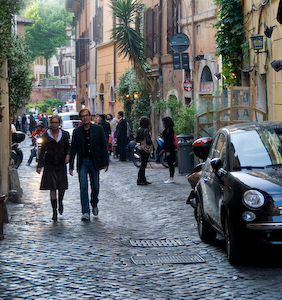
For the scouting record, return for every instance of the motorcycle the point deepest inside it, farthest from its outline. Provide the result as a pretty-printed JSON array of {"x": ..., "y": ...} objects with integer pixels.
[
  {"x": 159, "y": 157},
  {"x": 38, "y": 145},
  {"x": 16, "y": 152},
  {"x": 200, "y": 148}
]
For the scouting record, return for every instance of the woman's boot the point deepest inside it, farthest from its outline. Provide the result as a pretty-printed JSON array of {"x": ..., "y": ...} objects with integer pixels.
[
  {"x": 61, "y": 207},
  {"x": 54, "y": 207}
]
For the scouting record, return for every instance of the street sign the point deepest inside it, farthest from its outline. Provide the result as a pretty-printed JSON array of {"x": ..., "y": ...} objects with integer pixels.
[
  {"x": 187, "y": 85},
  {"x": 176, "y": 61},
  {"x": 179, "y": 42},
  {"x": 180, "y": 61}
]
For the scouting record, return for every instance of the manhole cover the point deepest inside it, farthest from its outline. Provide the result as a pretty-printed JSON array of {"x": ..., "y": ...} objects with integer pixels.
[
  {"x": 157, "y": 243},
  {"x": 172, "y": 259}
]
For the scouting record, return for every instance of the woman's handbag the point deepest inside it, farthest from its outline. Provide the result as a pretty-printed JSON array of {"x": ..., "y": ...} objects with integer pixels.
[
  {"x": 144, "y": 146},
  {"x": 175, "y": 142}
]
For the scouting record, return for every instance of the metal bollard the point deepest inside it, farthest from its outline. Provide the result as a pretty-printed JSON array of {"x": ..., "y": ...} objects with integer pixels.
[{"x": 2, "y": 215}]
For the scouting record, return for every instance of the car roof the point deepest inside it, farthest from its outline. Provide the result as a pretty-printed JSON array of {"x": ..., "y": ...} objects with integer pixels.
[
  {"x": 254, "y": 126},
  {"x": 68, "y": 113}
]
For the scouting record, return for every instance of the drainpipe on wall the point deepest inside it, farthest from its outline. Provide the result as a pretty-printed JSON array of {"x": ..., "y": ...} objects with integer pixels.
[
  {"x": 193, "y": 45},
  {"x": 160, "y": 40},
  {"x": 115, "y": 79}
]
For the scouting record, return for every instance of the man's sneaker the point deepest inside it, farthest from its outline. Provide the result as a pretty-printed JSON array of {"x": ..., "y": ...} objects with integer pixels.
[
  {"x": 169, "y": 181},
  {"x": 85, "y": 217},
  {"x": 95, "y": 211}
]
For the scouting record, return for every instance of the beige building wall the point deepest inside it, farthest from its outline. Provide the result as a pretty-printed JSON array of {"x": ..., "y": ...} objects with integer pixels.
[
  {"x": 105, "y": 67},
  {"x": 265, "y": 81},
  {"x": 109, "y": 67}
]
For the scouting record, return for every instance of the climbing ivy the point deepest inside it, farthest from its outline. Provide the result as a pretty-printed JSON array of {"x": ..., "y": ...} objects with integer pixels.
[
  {"x": 230, "y": 38},
  {"x": 20, "y": 75},
  {"x": 134, "y": 108}
]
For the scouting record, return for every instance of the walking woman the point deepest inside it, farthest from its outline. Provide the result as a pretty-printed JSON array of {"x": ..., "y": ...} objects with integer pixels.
[
  {"x": 143, "y": 134},
  {"x": 170, "y": 155},
  {"x": 53, "y": 157}
]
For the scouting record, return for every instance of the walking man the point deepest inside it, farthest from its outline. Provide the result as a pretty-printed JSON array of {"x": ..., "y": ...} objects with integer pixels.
[
  {"x": 121, "y": 136},
  {"x": 90, "y": 144}
]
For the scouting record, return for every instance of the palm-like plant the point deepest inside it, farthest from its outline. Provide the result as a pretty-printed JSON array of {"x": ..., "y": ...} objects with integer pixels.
[{"x": 129, "y": 41}]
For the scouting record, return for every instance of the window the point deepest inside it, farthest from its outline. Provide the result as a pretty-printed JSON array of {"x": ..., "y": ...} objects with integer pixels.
[
  {"x": 198, "y": 29},
  {"x": 172, "y": 22}
]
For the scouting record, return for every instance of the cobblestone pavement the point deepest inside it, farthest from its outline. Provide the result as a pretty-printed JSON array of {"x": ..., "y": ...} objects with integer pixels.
[{"x": 71, "y": 259}]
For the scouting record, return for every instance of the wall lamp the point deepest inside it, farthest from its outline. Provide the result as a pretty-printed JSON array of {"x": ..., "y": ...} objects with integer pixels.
[
  {"x": 198, "y": 58},
  {"x": 268, "y": 31},
  {"x": 217, "y": 76},
  {"x": 257, "y": 41},
  {"x": 277, "y": 65},
  {"x": 69, "y": 34},
  {"x": 136, "y": 96}
]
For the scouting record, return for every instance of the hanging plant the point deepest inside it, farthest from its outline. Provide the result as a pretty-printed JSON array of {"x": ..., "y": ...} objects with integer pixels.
[{"x": 230, "y": 38}]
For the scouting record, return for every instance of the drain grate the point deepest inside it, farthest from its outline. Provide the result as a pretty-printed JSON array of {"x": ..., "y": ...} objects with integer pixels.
[
  {"x": 157, "y": 243},
  {"x": 173, "y": 259}
]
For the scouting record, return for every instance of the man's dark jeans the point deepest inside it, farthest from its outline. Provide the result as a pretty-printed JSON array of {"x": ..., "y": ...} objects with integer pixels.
[{"x": 88, "y": 168}]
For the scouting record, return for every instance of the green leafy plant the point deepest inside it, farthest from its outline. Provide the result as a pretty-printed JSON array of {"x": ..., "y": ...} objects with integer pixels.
[
  {"x": 19, "y": 80},
  {"x": 134, "y": 108},
  {"x": 230, "y": 38},
  {"x": 183, "y": 116},
  {"x": 48, "y": 31},
  {"x": 46, "y": 106}
]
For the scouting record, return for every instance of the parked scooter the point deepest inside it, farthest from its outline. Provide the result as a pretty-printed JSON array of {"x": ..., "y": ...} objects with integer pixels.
[
  {"x": 201, "y": 149},
  {"x": 16, "y": 152},
  {"x": 158, "y": 157}
]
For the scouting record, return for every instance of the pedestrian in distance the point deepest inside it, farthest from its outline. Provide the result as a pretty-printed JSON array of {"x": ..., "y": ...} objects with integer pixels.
[
  {"x": 106, "y": 125},
  {"x": 170, "y": 154},
  {"x": 91, "y": 147},
  {"x": 121, "y": 136},
  {"x": 24, "y": 124},
  {"x": 54, "y": 157},
  {"x": 32, "y": 124},
  {"x": 143, "y": 134}
]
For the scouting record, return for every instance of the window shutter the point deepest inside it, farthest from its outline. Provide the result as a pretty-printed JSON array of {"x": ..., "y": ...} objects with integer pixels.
[
  {"x": 149, "y": 27},
  {"x": 94, "y": 24},
  {"x": 170, "y": 15}
]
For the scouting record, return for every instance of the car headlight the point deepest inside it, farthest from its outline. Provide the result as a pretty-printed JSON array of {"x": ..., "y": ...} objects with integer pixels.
[{"x": 253, "y": 198}]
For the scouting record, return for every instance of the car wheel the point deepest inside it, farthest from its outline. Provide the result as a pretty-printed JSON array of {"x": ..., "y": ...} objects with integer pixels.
[
  {"x": 233, "y": 251},
  {"x": 206, "y": 232}
]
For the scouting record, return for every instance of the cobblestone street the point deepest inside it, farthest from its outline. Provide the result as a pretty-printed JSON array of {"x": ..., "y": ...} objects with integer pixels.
[{"x": 71, "y": 259}]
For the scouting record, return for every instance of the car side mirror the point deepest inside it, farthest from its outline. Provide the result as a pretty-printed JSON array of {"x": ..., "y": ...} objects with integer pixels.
[{"x": 216, "y": 164}]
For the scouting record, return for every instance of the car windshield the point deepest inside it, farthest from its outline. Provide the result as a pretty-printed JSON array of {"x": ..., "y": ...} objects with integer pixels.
[
  {"x": 255, "y": 148},
  {"x": 70, "y": 124}
]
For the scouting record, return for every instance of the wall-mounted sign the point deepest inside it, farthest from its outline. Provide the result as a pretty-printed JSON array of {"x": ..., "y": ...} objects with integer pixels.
[
  {"x": 179, "y": 42},
  {"x": 181, "y": 61},
  {"x": 187, "y": 85}
]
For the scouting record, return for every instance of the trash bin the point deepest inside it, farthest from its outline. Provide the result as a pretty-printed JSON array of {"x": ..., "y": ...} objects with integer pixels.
[{"x": 185, "y": 154}]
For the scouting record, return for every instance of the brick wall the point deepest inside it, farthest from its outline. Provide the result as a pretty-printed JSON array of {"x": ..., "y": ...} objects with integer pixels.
[{"x": 38, "y": 94}]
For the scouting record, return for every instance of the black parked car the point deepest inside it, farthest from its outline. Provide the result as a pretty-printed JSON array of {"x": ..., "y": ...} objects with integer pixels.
[{"x": 239, "y": 193}]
